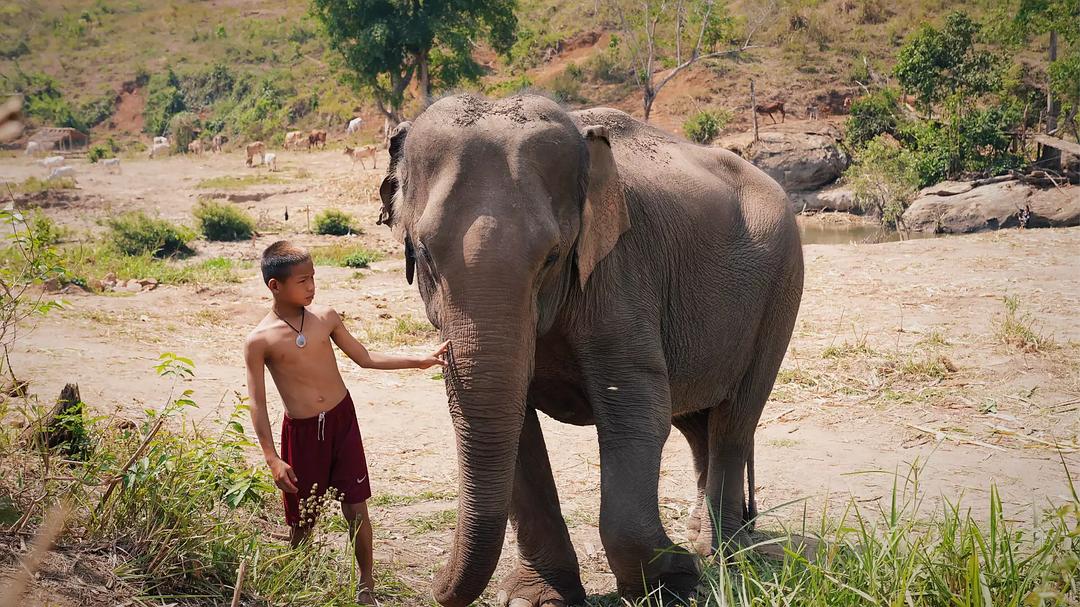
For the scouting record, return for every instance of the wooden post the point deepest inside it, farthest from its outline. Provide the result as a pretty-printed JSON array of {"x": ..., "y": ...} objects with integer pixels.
[
  {"x": 753, "y": 109},
  {"x": 1050, "y": 157}
]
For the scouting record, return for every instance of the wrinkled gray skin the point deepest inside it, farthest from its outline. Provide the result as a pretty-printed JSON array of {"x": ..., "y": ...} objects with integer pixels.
[{"x": 590, "y": 267}]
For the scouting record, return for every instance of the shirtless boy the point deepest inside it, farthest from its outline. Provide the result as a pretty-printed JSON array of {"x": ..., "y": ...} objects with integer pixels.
[{"x": 320, "y": 437}]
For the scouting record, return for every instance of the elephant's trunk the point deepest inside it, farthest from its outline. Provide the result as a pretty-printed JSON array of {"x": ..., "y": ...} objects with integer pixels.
[{"x": 487, "y": 379}]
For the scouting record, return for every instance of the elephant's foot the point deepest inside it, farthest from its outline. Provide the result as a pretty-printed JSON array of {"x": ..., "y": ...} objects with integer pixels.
[
  {"x": 674, "y": 572},
  {"x": 702, "y": 532},
  {"x": 528, "y": 588}
]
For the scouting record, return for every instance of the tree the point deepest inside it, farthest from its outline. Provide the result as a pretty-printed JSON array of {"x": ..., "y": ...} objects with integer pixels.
[
  {"x": 385, "y": 44},
  {"x": 1059, "y": 20},
  {"x": 679, "y": 32},
  {"x": 937, "y": 64}
]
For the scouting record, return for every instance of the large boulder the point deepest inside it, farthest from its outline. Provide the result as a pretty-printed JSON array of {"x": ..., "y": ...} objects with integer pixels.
[
  {"x": 798, "y": 161},
  {"x": 834, "y": 198},
  {"x": 957, "y": 208}
]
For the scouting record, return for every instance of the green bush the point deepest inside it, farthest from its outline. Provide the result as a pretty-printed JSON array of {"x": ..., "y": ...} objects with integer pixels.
[
  {"x": 885, "y": 179},
  {"x": 222, "y": 221},
  {"x": 99, "y": 152},
  {"x": 164, "y": 99},
  {"x": 334, "y": 223},
  {"x": 566, "y": 88},
  {"x": 706, "y": 124},
  {"x": 508, "y": 87},
  {"x": 873, "y": 115},
  {"x": 605, "y": 67},
  {"x": 135, "y": 233},
  {"x": 183, "y": 129},
  {"x": 361, "y": 258}
]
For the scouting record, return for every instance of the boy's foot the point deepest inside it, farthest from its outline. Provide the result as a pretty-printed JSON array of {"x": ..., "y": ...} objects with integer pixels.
[{"x": 366, "y": 597}]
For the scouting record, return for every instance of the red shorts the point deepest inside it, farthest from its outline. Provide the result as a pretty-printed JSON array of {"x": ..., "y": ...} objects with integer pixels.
[{"x": 325, "y": 450}]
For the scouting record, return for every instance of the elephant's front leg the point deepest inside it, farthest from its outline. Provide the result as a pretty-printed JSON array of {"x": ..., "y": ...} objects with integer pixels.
[
  {"x": 547, "y": 572},
  {"x": 633, "y": 418}
]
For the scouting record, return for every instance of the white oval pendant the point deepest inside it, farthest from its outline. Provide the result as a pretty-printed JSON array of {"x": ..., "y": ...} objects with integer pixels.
[{"x": 301, "y": 341}]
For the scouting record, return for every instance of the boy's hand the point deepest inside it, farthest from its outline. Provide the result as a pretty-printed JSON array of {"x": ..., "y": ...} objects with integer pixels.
[
  {"x": 435, "y": 358},
  {"x": 283, "y": 474}
]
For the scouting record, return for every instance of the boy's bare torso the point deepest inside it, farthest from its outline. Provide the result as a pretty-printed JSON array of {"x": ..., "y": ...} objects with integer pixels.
[{"x": 307, "y": 378}]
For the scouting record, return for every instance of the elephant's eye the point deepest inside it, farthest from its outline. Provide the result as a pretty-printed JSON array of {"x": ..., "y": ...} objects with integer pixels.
[{"x": 551, "y": 258}]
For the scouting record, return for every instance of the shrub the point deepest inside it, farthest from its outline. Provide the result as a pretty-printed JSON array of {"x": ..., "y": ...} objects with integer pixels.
[
  {"x": 509, "y": 87},
  {"x": 361, "y": 258},
  {"x": 873, "y": 115},
  {"x": 136, "y": 233},
  {"x": 605, "y": 67},
  {"x": 566, "y": 88},
  {"x": 99, "y": 152},
  {"x": 706, "y": 124},
  {"x": 885, "y": 180},
  {"x": 164, "y": 99},
  {"x": 334, "y": 223},
  {"x": 183, "y": 129},
  {"x": 222, "y": 221}
]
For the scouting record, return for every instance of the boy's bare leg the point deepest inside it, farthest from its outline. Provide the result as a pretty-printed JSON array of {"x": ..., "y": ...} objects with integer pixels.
[{"x": 360, "y": 530}]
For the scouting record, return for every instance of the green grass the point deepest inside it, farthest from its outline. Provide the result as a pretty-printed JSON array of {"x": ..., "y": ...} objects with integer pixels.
[
  {"x": 405, "y": 331},
  {"x": 1017, "y": 329},
  {"x": 436, "y": 521},
  {"x": 33, "y": 185},
  {"x": 345, "y": 255},
  {"x": 396, "y": 500},
  {"x": 87, "y": 262},
  {"x": 229, "y": 182}
]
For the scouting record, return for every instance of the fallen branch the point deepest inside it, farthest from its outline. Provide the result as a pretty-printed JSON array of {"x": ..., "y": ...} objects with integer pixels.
[
  {"x": 239, "y": 582},
  {"x": 131, "y": 461},
  {"x": 942, "y": 435}
]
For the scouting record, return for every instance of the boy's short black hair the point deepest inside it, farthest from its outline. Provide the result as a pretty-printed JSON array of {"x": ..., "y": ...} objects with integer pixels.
[{"x": 279, "y": 258}]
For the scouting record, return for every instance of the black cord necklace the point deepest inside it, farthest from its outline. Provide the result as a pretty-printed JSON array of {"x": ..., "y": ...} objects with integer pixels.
[{"x": 301, "y": 341}]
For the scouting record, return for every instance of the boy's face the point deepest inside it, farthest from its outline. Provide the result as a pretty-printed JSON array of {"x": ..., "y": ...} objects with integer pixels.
[{"x": 298, "y": 288}]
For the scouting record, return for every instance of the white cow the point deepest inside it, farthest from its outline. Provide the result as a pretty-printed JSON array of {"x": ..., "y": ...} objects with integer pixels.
[
  {"x": 354, "y": 125},
  {"x": 158, "y": 140},
  {"x": 111, "y": 165},
  {"x": 59, "y": 172},
  {"x": 33, "y": 148},
  {"x": 159, "y": 149},
  {"x": 52, "y": 162},
  {"x": 270, "y": 160}
]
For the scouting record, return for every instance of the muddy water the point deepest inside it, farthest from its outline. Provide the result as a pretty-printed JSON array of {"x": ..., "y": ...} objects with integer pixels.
[{"x": 815, "y": 231}]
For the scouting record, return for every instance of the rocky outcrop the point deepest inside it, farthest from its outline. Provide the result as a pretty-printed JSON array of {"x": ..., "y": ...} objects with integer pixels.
[
  {"x": 835, "y": 198},
  {"x": 959, "y": 208},
  {"x": 798, "y": 161}
]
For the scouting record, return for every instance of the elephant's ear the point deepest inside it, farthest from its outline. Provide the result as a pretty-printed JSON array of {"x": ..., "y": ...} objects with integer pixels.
[
  {"x": 390, "y": 185},
  {"x": 604, "y": 217}
]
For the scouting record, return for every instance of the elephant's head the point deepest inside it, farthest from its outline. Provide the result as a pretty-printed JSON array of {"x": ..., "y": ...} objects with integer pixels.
[{"x": 504, "y": 208}]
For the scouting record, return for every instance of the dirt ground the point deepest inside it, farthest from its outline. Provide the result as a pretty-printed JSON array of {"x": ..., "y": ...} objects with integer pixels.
[{"x": 896, "y": 359}]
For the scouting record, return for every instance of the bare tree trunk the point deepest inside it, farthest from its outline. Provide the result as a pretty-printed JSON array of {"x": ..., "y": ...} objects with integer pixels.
[
  {"x": 648, "y": 99},
  {"x": 753, "y": 109},
  {"x": 424, "y": 76},
  {"x": 1051, "y": 157}
]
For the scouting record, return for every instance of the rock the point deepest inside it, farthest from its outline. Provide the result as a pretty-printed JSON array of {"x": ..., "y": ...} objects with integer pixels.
[
  {"x": 52, "y": 285},
  {"x": 96, "y": 285},
  {"x": 147, "y": 284},
  {"x": 840, "y": 199},
  {"x": 129, "y": 286},
  {"x": 74, "y": 289},
  {"x": 110, "y": 279},
  {"x": 797, "y": 161},
  {"x": 994, "y": 206}
]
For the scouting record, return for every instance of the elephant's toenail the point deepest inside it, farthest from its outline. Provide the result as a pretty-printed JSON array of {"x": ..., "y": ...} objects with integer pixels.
[
  {"x": 520, "y": 602},
  {"x": 501, "y": 598}
]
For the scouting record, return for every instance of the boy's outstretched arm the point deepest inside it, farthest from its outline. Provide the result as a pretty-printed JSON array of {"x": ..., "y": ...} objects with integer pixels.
[
  {"x": 374, "y": 360},
  {"x": 255, "y": 360}
]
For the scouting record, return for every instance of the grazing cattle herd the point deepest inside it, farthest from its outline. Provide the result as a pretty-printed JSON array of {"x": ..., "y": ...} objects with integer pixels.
[{"x": 257, "y": 154}]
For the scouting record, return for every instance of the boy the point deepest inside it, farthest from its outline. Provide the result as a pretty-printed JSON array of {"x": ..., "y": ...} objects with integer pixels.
[{"x": 320, "y": 437}]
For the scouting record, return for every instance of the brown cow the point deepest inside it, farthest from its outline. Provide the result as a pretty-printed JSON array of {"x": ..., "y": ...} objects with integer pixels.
[
  {"x": 195, "y": 147},
  {"x": 316, "y": 138},
  {"x": 255, "y": 148},
  {"x": 358, "y": 154},
  {"x": 769, "y": 108},
  {"x": 218, "y": 141}
]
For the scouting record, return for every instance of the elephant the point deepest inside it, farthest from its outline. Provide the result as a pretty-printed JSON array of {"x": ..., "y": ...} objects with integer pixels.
[{"x": 587, "y": 266}]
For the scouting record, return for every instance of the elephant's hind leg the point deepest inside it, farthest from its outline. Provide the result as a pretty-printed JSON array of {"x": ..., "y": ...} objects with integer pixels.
[
  {"x": 695, "y": 427},
  {"x": 547, "y": 572}
]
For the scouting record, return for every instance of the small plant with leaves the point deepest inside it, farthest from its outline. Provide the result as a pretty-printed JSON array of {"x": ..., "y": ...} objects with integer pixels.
[
  {"x": 334, "y": 222},
  {"x": 223, "y": 222},
  {"x": 136, "y": 233},
  {"x": 703, "y": 126},
  {"x": 99, "y": 152},
  {"x": 1017, "y": 329}
]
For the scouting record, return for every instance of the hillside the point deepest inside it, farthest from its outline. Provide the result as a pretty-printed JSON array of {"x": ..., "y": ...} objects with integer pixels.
[{"x": 103, "y": 54}]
